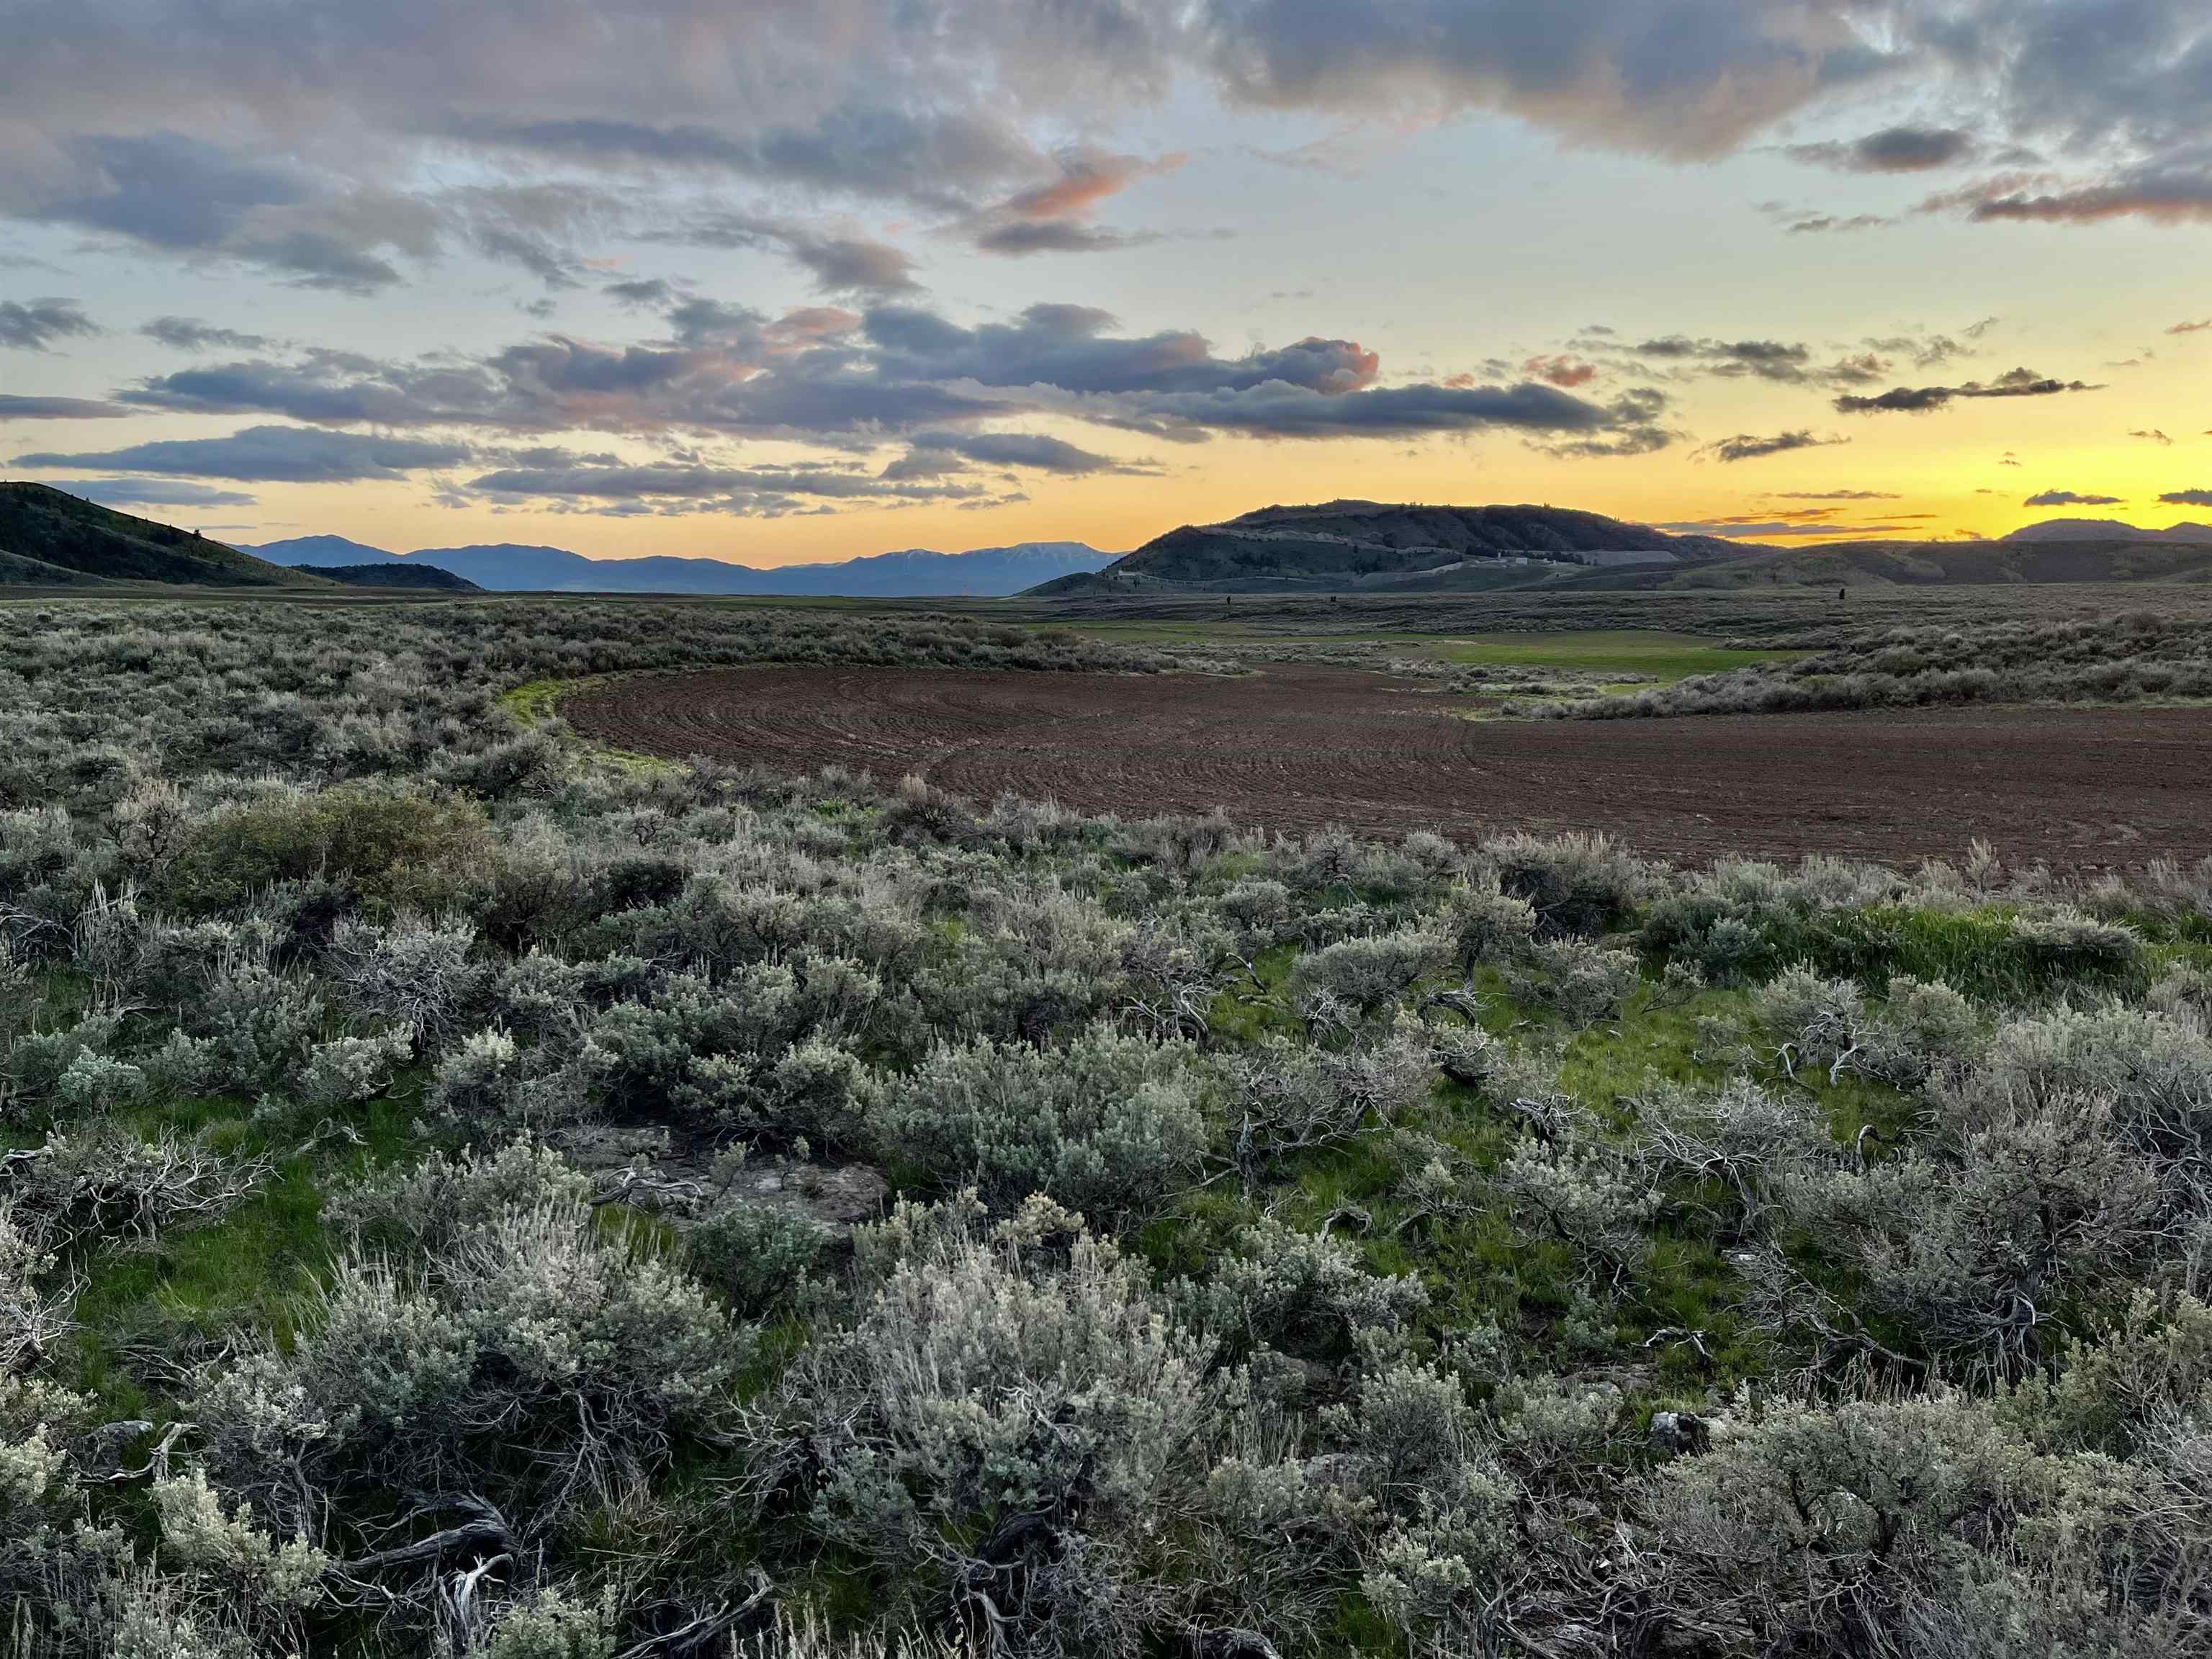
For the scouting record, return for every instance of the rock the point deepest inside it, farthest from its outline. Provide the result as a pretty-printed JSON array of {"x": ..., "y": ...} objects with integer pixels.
[{"x": 1679, "y": 1434}]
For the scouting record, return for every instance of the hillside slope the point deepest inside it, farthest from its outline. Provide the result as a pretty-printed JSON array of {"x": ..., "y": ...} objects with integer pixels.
[
  {"x": 1369, "y": 547},
  {"x": 1366, "y": 545},
  {"x": 2110, "y": 530},
  {"x": 1959, "y": 563},
  {"x": 47, "y": 527},
  {"x": 397, "y": 573}
]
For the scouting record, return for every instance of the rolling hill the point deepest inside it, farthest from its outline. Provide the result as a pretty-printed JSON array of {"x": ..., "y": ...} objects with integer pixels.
[
  {"x": 2081, "y": 531},
  {"x": 1352, "y": 544},
  {"x": 50, "y": 537},
  {"x": 1960, "y": 563},
  {"x": 914, "y": 573},
  {"x": 1374, "y": 547}
]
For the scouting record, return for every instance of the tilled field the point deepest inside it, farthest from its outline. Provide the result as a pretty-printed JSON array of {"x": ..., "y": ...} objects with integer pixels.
[{"x": 1298, "y": 747}]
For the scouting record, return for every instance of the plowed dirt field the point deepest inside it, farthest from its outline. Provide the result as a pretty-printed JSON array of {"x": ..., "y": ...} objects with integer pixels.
[{"x": 1298, "y": 747}]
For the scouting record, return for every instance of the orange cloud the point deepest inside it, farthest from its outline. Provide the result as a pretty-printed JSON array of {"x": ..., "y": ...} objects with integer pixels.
[
  {"x": 1561, "y": 370},
  {"x": 1087, "y": 177}
]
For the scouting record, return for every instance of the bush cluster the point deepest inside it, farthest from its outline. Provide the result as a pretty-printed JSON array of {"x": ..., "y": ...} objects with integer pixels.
[{"x": 461, "y": 1196}]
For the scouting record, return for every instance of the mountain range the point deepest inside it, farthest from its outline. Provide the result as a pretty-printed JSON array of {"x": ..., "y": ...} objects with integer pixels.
[{"x": 915, "y": 572}]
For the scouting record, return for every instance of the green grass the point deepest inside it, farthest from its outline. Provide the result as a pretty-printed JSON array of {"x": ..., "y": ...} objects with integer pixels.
[
  {"x": 252, "y": 1268},
  {"x": 1644, "y": 655}
]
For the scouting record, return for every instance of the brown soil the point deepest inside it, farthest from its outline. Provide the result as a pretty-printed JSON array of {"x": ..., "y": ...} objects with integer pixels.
[{"x": 1298, "y": 747}]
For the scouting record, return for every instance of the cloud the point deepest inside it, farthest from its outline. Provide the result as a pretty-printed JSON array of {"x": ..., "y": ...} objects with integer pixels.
[
  {"x": 869, "y": 146},
  {"x": 1687, "y": 83},
  {"x": 854, "y": 264},
  {"x": 933, "y": 454},
  {"x": 1020, "y": 236},
  {"x": 1051, "y": 217},
  {"x": 2191, "y": 328},
  {"x": 2187, "y": 498},
  {"x": 1836, "y": 496},
  {"x": 1893, "y": 149},
  {"x": 35, "y": 324},
  {"x": 153, "y": 492},
  {"x": 2153, "y": 434},
  {"x": 602, "y": 483},
  {"x": 189, "y": 334},
  {"x": 1746, "y": 446},
  {"x": 2181, "y": 195},
  {"x": 1920, "y": 400},
  {"x": 1278, "y": 409},
  {"x": 653, "y": 293},
  {"x": 1814, "y": 224},
  {"x": 840, "y": 262},
  {"x": 846, "y": 379},
  {"x": 1772, "y": 528},
  {"x": 268, "y": 454},
  {"x": 174, "y": 192},
  {"x": 20, "y": 408},
  {"x": 2071, "y": 498},
  {"x": 1562, "y": 369},
  {"x": 1768, "y": 360}
]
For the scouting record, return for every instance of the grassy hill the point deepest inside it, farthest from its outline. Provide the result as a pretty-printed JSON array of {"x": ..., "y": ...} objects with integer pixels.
[
  {"x": 50, "y": 537},
  {"x": 1957, "y": 563},
  {"x": 1351, "y": 545},
  {"x": 1369, "y": 547}
]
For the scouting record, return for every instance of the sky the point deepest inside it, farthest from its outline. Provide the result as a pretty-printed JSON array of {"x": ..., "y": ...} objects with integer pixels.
[{"x": 791, "y": 280}]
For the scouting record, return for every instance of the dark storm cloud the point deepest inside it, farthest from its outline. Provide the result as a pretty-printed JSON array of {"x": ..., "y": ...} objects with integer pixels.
[
  {"x": 20, "y": 408},
  {"x": 2071, "y": 498},
  {"x": 1893, "y": 149},
  {"x": 268, "y": 454},
  {"x": 1748, "y": 446},
  {"x": 35, "y": 324},
  {"x": 1920, "y": 400},
  {"x": 190, "y": 334}
]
